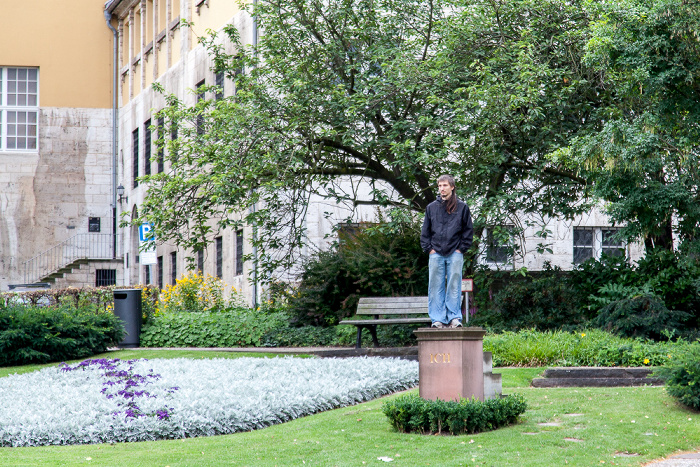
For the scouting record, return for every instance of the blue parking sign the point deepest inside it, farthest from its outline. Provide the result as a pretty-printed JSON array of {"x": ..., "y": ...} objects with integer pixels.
[{"x": 145, "y": 234}]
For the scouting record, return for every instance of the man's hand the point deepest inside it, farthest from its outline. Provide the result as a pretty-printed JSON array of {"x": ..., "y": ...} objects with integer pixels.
[
  {"x": 458, "y": 252},
  {"x": 431, "y": 252}
]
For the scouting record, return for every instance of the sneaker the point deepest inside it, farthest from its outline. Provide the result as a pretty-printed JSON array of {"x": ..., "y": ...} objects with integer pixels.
[
  {"x": 455, "y": 323},
  {"x": 437, "y": 325}
]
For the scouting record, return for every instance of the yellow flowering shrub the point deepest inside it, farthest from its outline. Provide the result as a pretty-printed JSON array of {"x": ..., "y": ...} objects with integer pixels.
[{"x": 194, "y": 292}]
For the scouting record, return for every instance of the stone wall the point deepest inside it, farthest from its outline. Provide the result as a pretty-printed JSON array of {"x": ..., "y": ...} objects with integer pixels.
[{"x": 46, "y": 197}]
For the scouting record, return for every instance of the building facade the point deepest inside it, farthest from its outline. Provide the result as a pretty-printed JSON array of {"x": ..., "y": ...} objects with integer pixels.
[
  {"x": 78, "y": 130},
  {"x": 56, "y": 164}
]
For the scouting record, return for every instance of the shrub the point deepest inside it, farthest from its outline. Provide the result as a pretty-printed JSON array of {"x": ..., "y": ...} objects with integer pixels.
[
  {"x": 30, "y": 334},
  {"x": 409, "y": 413},
  {"x": 542, "y": 301},
  {"x": 195, "y": 293},
  {"x": 584, "y": 348},
  {"x": 682, "y": 376},
  {"x": 643, "y": 316},
  {"x": 237, "y": 327},
  {"x": 383, "y": 260}
]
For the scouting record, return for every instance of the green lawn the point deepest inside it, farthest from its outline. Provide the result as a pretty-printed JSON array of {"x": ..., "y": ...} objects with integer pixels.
[{"x": 614, "y": 426}]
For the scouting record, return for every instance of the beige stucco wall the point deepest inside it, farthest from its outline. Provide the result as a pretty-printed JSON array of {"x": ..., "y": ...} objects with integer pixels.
[{"x": 70, "y": 43}]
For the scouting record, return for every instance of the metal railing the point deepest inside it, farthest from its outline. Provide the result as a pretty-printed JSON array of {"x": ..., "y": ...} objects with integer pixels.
[{"x": 83, "y": 246}]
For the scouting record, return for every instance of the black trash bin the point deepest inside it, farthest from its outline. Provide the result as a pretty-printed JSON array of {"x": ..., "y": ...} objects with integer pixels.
[{"x": 127, "y": 307}]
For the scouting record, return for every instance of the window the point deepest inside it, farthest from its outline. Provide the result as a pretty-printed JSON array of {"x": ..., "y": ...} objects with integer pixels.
[
  {"x": 592, "y": 242},
  {"x": 147, "y": 147},
  {"x": 105, "y": 277},
  {"x": 160, "y": 273},
  {"x": 219, "y": 257},
  {"x": 239, "y": 252},
  {"x": 583, "y": 244},
  {"x": 611, "y": 245},
  {"x": 19, "y": 108},
  {"x": 173, "y": 137},
  {"x": 135, "y": 155},
  {"x": 219, "y": 81},
  {"x": 173, "y": 268},
  {"x": 93, "y": 224},
  {"x": 161, "y": 143},
  {"x": 498, "y": 247},
  {"x": 200, "y": 262},
  {"x": 200, "y": 117},
  {"x": 147, "y": 274}
]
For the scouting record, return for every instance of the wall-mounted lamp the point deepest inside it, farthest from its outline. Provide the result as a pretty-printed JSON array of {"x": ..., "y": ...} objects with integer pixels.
[{"x": 120, "y": 192}]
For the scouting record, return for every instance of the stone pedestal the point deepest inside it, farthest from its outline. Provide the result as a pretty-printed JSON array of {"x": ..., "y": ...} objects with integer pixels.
[{"x": 451, "y": 363}]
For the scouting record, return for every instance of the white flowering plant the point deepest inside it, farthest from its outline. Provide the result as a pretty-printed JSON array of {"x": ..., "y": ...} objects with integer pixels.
[{"x": 107, "y": 401}]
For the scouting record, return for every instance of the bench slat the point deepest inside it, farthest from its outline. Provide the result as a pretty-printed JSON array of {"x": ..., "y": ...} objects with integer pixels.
[
  {"x": 405, "y": 306},
  {"x": 386, "y": 321},
  {"x": 403, "y": 311},
  {"x": 393, "y": 300}
]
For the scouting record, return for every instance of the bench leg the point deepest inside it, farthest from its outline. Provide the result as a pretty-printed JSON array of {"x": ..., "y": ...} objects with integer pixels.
[
  {"x": 373, "y": 331},
  {"x": 359, "y": 337}
]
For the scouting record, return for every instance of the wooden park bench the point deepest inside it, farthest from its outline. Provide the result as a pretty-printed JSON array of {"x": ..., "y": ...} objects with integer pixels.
[{"x": 387, "y": 310}]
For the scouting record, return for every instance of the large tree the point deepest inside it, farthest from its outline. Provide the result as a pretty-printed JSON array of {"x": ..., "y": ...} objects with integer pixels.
[
  {"x": 645, "y": 160},
  {"x": 389, "y": 94}
]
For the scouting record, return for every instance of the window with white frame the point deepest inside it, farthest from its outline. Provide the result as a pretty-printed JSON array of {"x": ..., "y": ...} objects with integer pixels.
[
  {"x": 499, "y": 248},
  {"x": 19, "y": 108},
  {"x": 592, "y": 242}
]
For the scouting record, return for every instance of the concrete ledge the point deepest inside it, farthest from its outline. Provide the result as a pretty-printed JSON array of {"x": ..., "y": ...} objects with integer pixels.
[{"x": 596, "y": 377}]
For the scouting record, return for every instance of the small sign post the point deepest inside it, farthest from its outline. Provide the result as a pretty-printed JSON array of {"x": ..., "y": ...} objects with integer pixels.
[
  {"x": 467, "y": 286},
  {"x": 147, "y": 245}
]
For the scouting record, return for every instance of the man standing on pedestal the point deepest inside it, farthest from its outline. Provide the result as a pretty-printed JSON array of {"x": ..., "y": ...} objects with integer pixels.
[{"x": 447, "y": 234}]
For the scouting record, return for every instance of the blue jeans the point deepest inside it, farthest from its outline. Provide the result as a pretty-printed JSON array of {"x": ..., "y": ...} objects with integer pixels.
[{"x": 445, "y": 287}]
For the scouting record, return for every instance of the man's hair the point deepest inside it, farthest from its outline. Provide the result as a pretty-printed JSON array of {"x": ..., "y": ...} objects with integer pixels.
[
  {"x": 447, "y": 178},
  {"x": 451, "y": 203}
]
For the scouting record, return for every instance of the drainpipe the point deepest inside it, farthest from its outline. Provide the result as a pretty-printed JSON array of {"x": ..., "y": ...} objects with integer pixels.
[{"x": 115, "y": 89}]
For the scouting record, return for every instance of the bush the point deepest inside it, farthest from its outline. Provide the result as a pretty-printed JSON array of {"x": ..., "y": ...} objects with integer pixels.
[
  {"x": 410, "y": 413},
  {"x": 682, "y": 376},
  {"x": 542, "y": 301},
  {"x": 30, "y": 334},
  {"x": 237, "y": 327},
  {"x": 585, "y": 348},
  {"x": 195, "y": 293},
  {"x": 383, "y": 260},
  {"x": 644, "y": 316}
]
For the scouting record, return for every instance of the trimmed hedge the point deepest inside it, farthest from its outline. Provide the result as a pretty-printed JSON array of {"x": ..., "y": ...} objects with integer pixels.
[
  {"x": 233, "y": 328},
  {"x": 52, "y": 334},
  {"x": 409, "y": 413}
]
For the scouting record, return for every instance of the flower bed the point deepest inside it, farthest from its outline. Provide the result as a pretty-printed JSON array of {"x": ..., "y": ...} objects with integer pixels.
[{"x": 116, "y": 401}]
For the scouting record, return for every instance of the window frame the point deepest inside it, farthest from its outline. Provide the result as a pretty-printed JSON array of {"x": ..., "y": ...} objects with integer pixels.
[{"x": 29, "y": 110}]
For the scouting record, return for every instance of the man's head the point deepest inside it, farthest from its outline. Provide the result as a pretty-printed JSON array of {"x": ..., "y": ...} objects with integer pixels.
[{"x": 446, "y": 185}]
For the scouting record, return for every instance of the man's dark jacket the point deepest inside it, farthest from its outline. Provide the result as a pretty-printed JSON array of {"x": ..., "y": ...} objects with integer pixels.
[{"x": 444, "y": 232}]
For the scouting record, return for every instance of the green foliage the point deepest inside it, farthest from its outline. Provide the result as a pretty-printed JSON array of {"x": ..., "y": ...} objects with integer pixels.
[
  {"x": 285, "y": 335},
  {"x": 682, "y": 376},
  {"x": 542, "y": 301},
  {"x": 671, "y": 277},
  {"x": 585, "y": 348},
  {"x": 410, "y": 413},
  {"x": 644, "y": 161},
  {"x": 385, "y": 260},
  {"x": 30, "y": 334},
  {"x": 385, "y": 94},
  {"x": 642, "y": 316},
  {"x": 195, "y": 293},
  {"x": 237, "y": 327}
]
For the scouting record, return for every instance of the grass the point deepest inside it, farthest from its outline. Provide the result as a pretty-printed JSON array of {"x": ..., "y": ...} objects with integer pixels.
[{"x": 575, "y": 426}]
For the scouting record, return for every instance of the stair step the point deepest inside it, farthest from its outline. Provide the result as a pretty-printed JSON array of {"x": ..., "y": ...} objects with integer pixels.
[
  {"x": 596, "y": 377},
  {"x": 594, "y": 382},
  {"x": 597, "y": 372}
]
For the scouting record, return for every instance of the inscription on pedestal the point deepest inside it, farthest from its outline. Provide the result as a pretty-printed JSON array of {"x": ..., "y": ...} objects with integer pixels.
[{"x": 440, "y": 358}]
